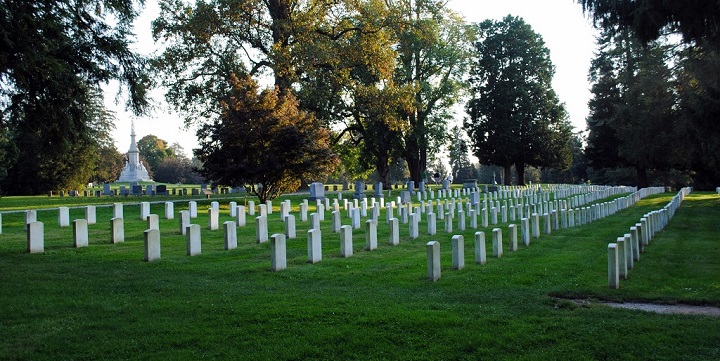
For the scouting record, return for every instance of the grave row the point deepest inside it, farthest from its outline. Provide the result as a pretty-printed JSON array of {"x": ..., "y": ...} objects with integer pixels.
[{"x": 626, "y": 250}]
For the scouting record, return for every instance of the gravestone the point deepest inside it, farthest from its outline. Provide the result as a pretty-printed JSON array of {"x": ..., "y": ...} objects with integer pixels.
[
  {"x": 317, "y": 191},
  {"x": 378, "y": 190},
  {"x": 346, "y": 241},
  {"x": 144, "y": 210},
  {"x": 290, "y": 227},
  {"x": 63, "y": 216},
  {"x": 213, "y": 219},
  {"x": 497, "y": 242},
  {"x": 410, "y": 187},
  {"x": 394, "y": 235},
  {"x": 314, "y": 245},
  {"x": 432, "y": 224},
  {"x": 278, "y": 252},
  {"x": 261, "y": 229},
  {"x": 161, "y": 190},
  {"x": 480, "y": 254},
  {"x": 613, "y": 267},
  {"x": 240, "y": 217},
  {"x": 184, "y": 221},
  {"x": 137, "y": 190},
  {"x": 80, "y": 233},
  {"x": 512, "y": 229},
  {"x": 433, "y": 261},
  {"x": 117, "y": 230},
  {"x": 151, "y": 245},
  {"x": 36, "y": 237},
  {"x": 152, "y": 221},
  {"x": 405, "y": 197},
  {"x": 359, "y": 190},
  {"x": 169, "y": 210},
  {"x": 458, "y": 252},
  {"x": 446, "y": 185},
  {"x": 106, "y": 189},
  {"x": 370, "y": 235},
  {"x": 90, "y": 215},
  {"x": 193, "y": 240},
  {"x": 470, "y": 183}
]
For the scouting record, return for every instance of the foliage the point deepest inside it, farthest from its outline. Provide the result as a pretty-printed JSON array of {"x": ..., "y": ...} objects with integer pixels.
[
  {"x": 697, "y": 20},
  {"x": 109, "y": 165},
  {"x": 177, "y": 170},
  {"x": 460, "y": 164},
  {"x": 264, "y": 142},
  {"x": 514, "y": 116},
  {"x": 432, "y": 52},
  {"x": 154, "y": 150},
  {"x": 53, "y": 56},
  {"x": 633, "y": 95},
  {"x": 577, "y": 172}
]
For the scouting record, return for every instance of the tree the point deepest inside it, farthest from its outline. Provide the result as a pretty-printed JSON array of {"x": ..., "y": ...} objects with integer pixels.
[
  {"x": 109, "y": 165},
  {"x": 633, "y": 121},
  {"x": 460, "y": 164},
  {"x": 176, "y": 170},
  {"x": 53, "y": 56},
  {"x": 262, "y": 141},
  {"x": 154, "y": 150},
  {"x": 432, "y": 54},
  {"x": 514, "y": 116},
  {"x": 697, "y": 20}
]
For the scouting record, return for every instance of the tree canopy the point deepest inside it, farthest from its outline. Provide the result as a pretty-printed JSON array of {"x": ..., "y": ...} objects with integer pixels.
[
  {"x": 262, "y": 141},
  {"x": 53, "y": 57},
  {"x": 514, "y": 116}
]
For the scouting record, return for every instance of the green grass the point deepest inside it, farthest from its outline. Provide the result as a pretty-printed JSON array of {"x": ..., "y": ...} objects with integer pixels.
[{"x": 104, "y": 302}]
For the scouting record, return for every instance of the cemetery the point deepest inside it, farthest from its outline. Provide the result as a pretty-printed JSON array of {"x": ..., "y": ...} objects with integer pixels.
[{"x": 128, "y": 276}]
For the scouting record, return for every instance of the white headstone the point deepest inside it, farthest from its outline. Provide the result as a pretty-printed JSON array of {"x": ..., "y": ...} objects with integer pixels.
[
  {"x": 117, "y": 210},
  {"x": 290, "y": 227},
  {"x": 152, "y": 221},
  {"x": 261, "y": 229},
  {"x": 240, "y": 217},
  {"x": 233, "y": 209},
  {"x": 314, "y": 246},
  {"x": 169, "y": 210},
  {"x": 370, "y": 235},
  {"x": 194, "y": 242},
  {"x": 144, "y": 210},
  {"x": 90, "y": 216},
  {"x": 117, "y": 230},
  {"x": 512, "y": 229},
  {"x": 346, "y": 241},
  {"x": 613, "y": 269},
  {"x": 213, "y": 219},
  {"x": 80, "y": 233},
  {"x": 480, "y": 254},
  {"x": 432, "y": 224},
  {"x": 152, "y": 245},
  {"x": 278, "y": 252},
  {"x": 394, "y": 234},
  {"x": 458, "y": 252},
  {"x": 230, "y": 235},
  {"x": 433, "y": 261},
  {"x": 63, "y": 216},
  {"x": 497, "y": 242},
  {"x": 184, "y": 221}
]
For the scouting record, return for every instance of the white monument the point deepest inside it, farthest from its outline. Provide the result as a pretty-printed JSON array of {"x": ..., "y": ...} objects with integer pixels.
[{"x": 134, "y": 171}]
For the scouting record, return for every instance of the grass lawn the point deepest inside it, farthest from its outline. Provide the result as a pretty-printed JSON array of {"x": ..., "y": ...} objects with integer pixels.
[{"x": 104, "y": 302}]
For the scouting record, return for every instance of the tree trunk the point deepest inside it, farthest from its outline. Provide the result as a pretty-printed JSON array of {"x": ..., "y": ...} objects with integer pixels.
[
  {"x": 507, "y": 174},
  {"x": 642, "y": 178},
  {"x": 520, "y": 169},
  {"x": 383, "y": 171}
]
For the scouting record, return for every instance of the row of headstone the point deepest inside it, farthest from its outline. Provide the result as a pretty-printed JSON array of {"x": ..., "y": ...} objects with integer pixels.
[{"x": 626, "y": 250}]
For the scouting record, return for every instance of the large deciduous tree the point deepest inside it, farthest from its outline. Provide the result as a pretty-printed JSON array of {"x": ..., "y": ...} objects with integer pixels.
[
  {"x": 154, "y": 150},
  {"x": 432, "y": 50},
  {"x": 514, "y": 116},
  {"x": 53, "y": 56},
  {"x": 264, "y": 142}
]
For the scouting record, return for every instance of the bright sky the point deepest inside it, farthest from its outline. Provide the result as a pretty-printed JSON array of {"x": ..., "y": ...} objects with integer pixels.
[{"x": 561, "y": 23}]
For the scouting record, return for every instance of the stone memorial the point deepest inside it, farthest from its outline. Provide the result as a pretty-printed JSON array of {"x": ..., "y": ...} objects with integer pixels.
[
  {"x": 151, "y": 245},
  {"x": 370, "y": 235},
  {"x": 394, "y": 234},
  {"x": 134, "y": 170},
  {"x": 117, "y": 210},
  {"x": 512, "y": 230},
  {"x": 213, "y": 219},
  {"x": 169, "y": 210},
  {"x": 613, "y": 269},
  {"x": 433, "y": 261},
  {"x": 480, "y": 254},
  {"x": 314, "y": 246},
  {"x": 359, "y": 190},
  {"x": 80, "y": 233},
  {"x": 90, "y": 214},
  {"x": 184, "y": 221},
  {"x": 144, "y": 210},
  {"x": 378, "y": 190},
  {"x": 317, "y": 191},
  {"x": 290, "y": 231},
  {"x": 458, "y": 252},
  {"x": 117, "y": 230},
  {"x": 346, "y": 241},
  {"x": 230, "y": 235},
  {"x": 193, "y": 240},
  {"x": 152, "y": 221},
  {"x": 261, "y": 229},
  {"x": 432, "y": 224},
  {"x": 63, "y": 216},
  {"x": 278, "y": 252},
  {"x": 497, "y": 242}
]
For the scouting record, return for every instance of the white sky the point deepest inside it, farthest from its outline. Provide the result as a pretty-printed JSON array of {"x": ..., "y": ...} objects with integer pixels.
[{"x": 566, "y": 31}]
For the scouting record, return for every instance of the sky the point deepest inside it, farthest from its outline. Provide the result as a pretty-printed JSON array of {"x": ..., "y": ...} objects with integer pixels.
[{"x": 566, "y": 31}]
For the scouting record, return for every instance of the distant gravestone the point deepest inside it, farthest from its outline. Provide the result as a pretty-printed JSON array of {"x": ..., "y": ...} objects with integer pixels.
[
  {"x": 314, "y": 246},
  {"x": 161, "y": 190},
  {"x": 470, "y": 183},
  {"x": 446, "y": 185},
  {"x": 433, "y": 260},
  {"x": 36, "y": 237},
  {"x": 230, "y": 235},
  {"x": 90, "y": 215},
  {"x": 80, "y": 233},
  {"x": 359, "y": 190},
  {"x": 410, "y": 187},
  {"x": 378, "y": 189},
  {"x": 137, "y": 190},
  {"x": 152, "y": 245},
  {"x": 405, "y": 197},
  {"x": 317, "y": 191},
  {"x": 63, "y": 216},
  {"x": 106, "y": 189}
]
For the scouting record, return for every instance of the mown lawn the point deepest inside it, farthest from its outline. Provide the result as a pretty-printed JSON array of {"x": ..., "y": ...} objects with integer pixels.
[{"x": 104, "y": 302}]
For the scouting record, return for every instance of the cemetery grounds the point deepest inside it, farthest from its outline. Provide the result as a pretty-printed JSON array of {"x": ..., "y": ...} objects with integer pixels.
[{"x": 104, "y": 302}]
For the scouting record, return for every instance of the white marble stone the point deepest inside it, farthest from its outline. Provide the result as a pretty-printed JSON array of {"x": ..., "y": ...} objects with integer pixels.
[
  {"x": 152, "y": 221},
  {"x": 480, "y": 254},
  {"x": 370, "y": 235},
  {"x": 169, "y": 210},
  {"x": 512, "y": 230},
  {"x": 63, "y": 217},
  {"x": 314, "y": 246},
  {"x": 232, "y": 209},
  {"x": 346, "y": 241},
  {"x": 151, "y": 245},
  {"x": 90, "y": 215},
  {"x": 413, "y": 226},
  {"x": 394, "y": 235},
  {"x": 458, "y": 252},
  {"x": 278, "y": 252},
  {"x": 290, "y": 231},
  {"x": 613, "y": 267},
  {"x": 193, "y": 239},
  {"x": 184, "y": 221},
  {"x": 117, "y": 210},
  {"x": 230, "y": 235},
  {"x": 432, "y": 223},
  {"x": 622, "y": 260},
  {"x": 240, "y": 216},
  {"x": 433, "y": 261},
  {"x": 144, "y": 210},
  {"x": 80, "y": 233},
  {"x": 117, "y": 230},
  {"x": 261, "y": 229},
  {"x": 497, "y": 242}
]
